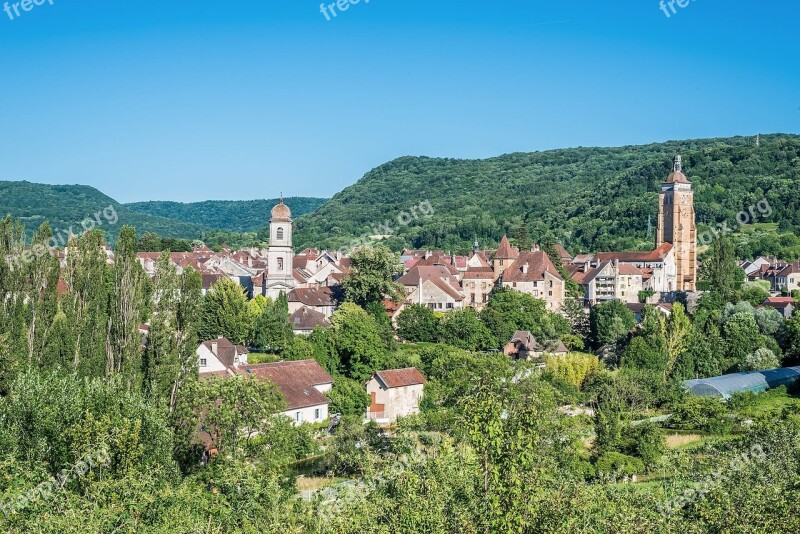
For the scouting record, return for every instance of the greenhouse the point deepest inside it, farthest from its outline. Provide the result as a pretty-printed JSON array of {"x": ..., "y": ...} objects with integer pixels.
[{"x": 753, "y": 381}]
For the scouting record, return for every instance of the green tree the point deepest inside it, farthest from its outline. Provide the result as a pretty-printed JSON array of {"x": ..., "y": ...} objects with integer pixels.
[
  {"x": 463, "y": 329},
  {"x": 760, "y": 360},
  {"x": 272, "y": 330},
  {"x": 127, "y": 310},
  {"x": 720, "y": 270},
  {"x": 418, "y": 323},
  {"x": 348, "y": 397},
  {"x": 370, "y": 277},
  {"x": 610, "y": 323},
  {"x": 357, "y": 341},
  {"x": 225, "y": 313}
]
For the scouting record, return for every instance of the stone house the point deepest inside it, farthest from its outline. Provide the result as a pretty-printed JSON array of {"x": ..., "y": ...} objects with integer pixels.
[{"x": 394, "y": 393}]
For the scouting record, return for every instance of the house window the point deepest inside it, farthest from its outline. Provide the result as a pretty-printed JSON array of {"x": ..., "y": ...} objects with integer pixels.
[
  {"x": 484, "y": 298},
  {"x": 316, "y": 414},
  {"x": 279, "y": 234},
  {"x": 449, "y": 305},
  {"x": 203, "y": 362},
  {"x": 280, "y": 264},
  {"x": 298, "y": 417}
]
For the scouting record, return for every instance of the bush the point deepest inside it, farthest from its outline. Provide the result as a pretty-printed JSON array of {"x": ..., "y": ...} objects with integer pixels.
[
  {"x": 700, "y": 413},
  {"x": 614, "y": 463}
]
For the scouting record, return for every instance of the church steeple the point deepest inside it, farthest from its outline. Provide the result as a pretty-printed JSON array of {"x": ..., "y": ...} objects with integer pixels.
[{"x": 676, "y": 226}]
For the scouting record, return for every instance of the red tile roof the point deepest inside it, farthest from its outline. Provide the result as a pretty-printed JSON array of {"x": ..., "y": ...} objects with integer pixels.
[
  {"x": 295, "y": 380},
  {"x": 397, "y": 378},
  {"x": 505, "y": 251},
  {"x": 307, "y": 319},
  {"x": 537, "y": 264},
  {"x": 312, "y": 296},
  {"x": 638, "y": 257}
]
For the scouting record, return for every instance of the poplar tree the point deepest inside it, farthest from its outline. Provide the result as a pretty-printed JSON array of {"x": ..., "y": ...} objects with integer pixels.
[
  {"x": 126, "y": 310},
  {"x": 41, "y": 281},
  {"x": 86, "y": 303},
  {"x": 161, "y": 355}
]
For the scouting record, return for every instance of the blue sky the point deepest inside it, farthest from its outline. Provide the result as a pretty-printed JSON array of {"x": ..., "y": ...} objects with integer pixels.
[{"x": 179, "y": 100}]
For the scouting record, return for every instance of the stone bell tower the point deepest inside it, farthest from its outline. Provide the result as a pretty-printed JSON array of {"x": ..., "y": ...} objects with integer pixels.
[
  {"x": 280, "y": 255},
  {"x": 676, "y": 225}
]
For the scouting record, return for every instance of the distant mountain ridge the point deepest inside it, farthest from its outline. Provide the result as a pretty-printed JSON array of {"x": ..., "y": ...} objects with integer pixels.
[
  {"x": 67, "y": 206},
  {"x": 587, "y": 199},
  {"x": 230, "y": 215}
]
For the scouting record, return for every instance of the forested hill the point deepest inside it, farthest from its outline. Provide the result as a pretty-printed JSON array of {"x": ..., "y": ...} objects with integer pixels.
[
  {"x": 65, "y": 206},
  {"x": 233, "y": 215},
  {"x": 585, "y": 198}
]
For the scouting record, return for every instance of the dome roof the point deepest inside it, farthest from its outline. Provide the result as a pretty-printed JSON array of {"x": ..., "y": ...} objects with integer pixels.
[
  {"x": 281, "y": 212},
  {"x": 677, "y": 176}
]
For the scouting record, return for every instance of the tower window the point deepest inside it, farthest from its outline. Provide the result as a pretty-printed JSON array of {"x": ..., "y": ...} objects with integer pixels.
[
  {"x": 280, "y": 264},
  {"x": 279, "y": 234}
]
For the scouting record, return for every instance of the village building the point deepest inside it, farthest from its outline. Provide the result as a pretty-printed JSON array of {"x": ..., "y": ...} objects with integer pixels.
[
  {"x": 504, "y": 257},
  {"x": 305, "y": 320},
  {"x": 523, "y": 346},
  {"x": 785, "y": 305},
  {"x": 302, "y": 384},
  {"x": 219, "y": 357},
  {"x": 320, "y": 299},
  {"x": 612, "y": 280},
  {"x": 434, "y": 286},
  {"x": 395, "y": 393},
  {"x": 533, "y": 273}
]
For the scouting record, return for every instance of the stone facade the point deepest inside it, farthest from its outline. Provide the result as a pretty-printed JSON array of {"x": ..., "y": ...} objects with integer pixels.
[{"x": 676, "y": 225}]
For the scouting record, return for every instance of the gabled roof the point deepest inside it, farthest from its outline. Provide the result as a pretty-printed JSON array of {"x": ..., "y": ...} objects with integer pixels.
[
  {"x": 226, "y": 351},
  {"x": 537, "y": 262},
  {"x": 295, "y": 380},
  {"x": 421, "y": 273},
  {"x": 397, "y": 378},
  {"x": 307, "y": 319},
  {"x": 312, "y": 296}
]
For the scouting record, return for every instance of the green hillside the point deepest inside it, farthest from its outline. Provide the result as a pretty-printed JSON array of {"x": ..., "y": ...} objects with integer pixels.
[
  {"x": 585, "y": 198},
  {"x": 233, "y": 216},
  {"x": 65, "y": 206}
]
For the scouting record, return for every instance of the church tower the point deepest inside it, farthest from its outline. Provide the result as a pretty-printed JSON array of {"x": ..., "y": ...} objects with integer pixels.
[
  {"x": 280, "y": 256},
  {"x": 676, "y": 225}
]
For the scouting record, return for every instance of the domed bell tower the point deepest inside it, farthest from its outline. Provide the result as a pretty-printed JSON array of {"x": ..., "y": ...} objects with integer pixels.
[{"x": 280, "y": 256}]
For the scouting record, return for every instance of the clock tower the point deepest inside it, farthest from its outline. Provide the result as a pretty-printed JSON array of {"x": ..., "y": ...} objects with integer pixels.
[{"x": 676, "y": 225}]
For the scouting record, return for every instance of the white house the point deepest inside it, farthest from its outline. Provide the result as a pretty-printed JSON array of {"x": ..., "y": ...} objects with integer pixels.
[
  {"x": 220, "y": 357},
  {"x": 302, "y": 384},
  {"x": 394, "y": 394}
]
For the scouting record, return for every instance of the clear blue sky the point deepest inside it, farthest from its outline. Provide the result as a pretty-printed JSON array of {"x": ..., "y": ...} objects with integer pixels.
[{"x": 194, "y": 100}]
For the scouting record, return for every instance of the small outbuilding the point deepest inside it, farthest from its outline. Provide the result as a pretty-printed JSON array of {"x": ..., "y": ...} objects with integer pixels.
[{"x": 395, "y": 393}]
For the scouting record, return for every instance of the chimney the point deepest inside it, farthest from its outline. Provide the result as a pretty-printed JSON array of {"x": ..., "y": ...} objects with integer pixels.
[
  {"x": 524, "y": 268},
  {"x": 214, "y": 346}
]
